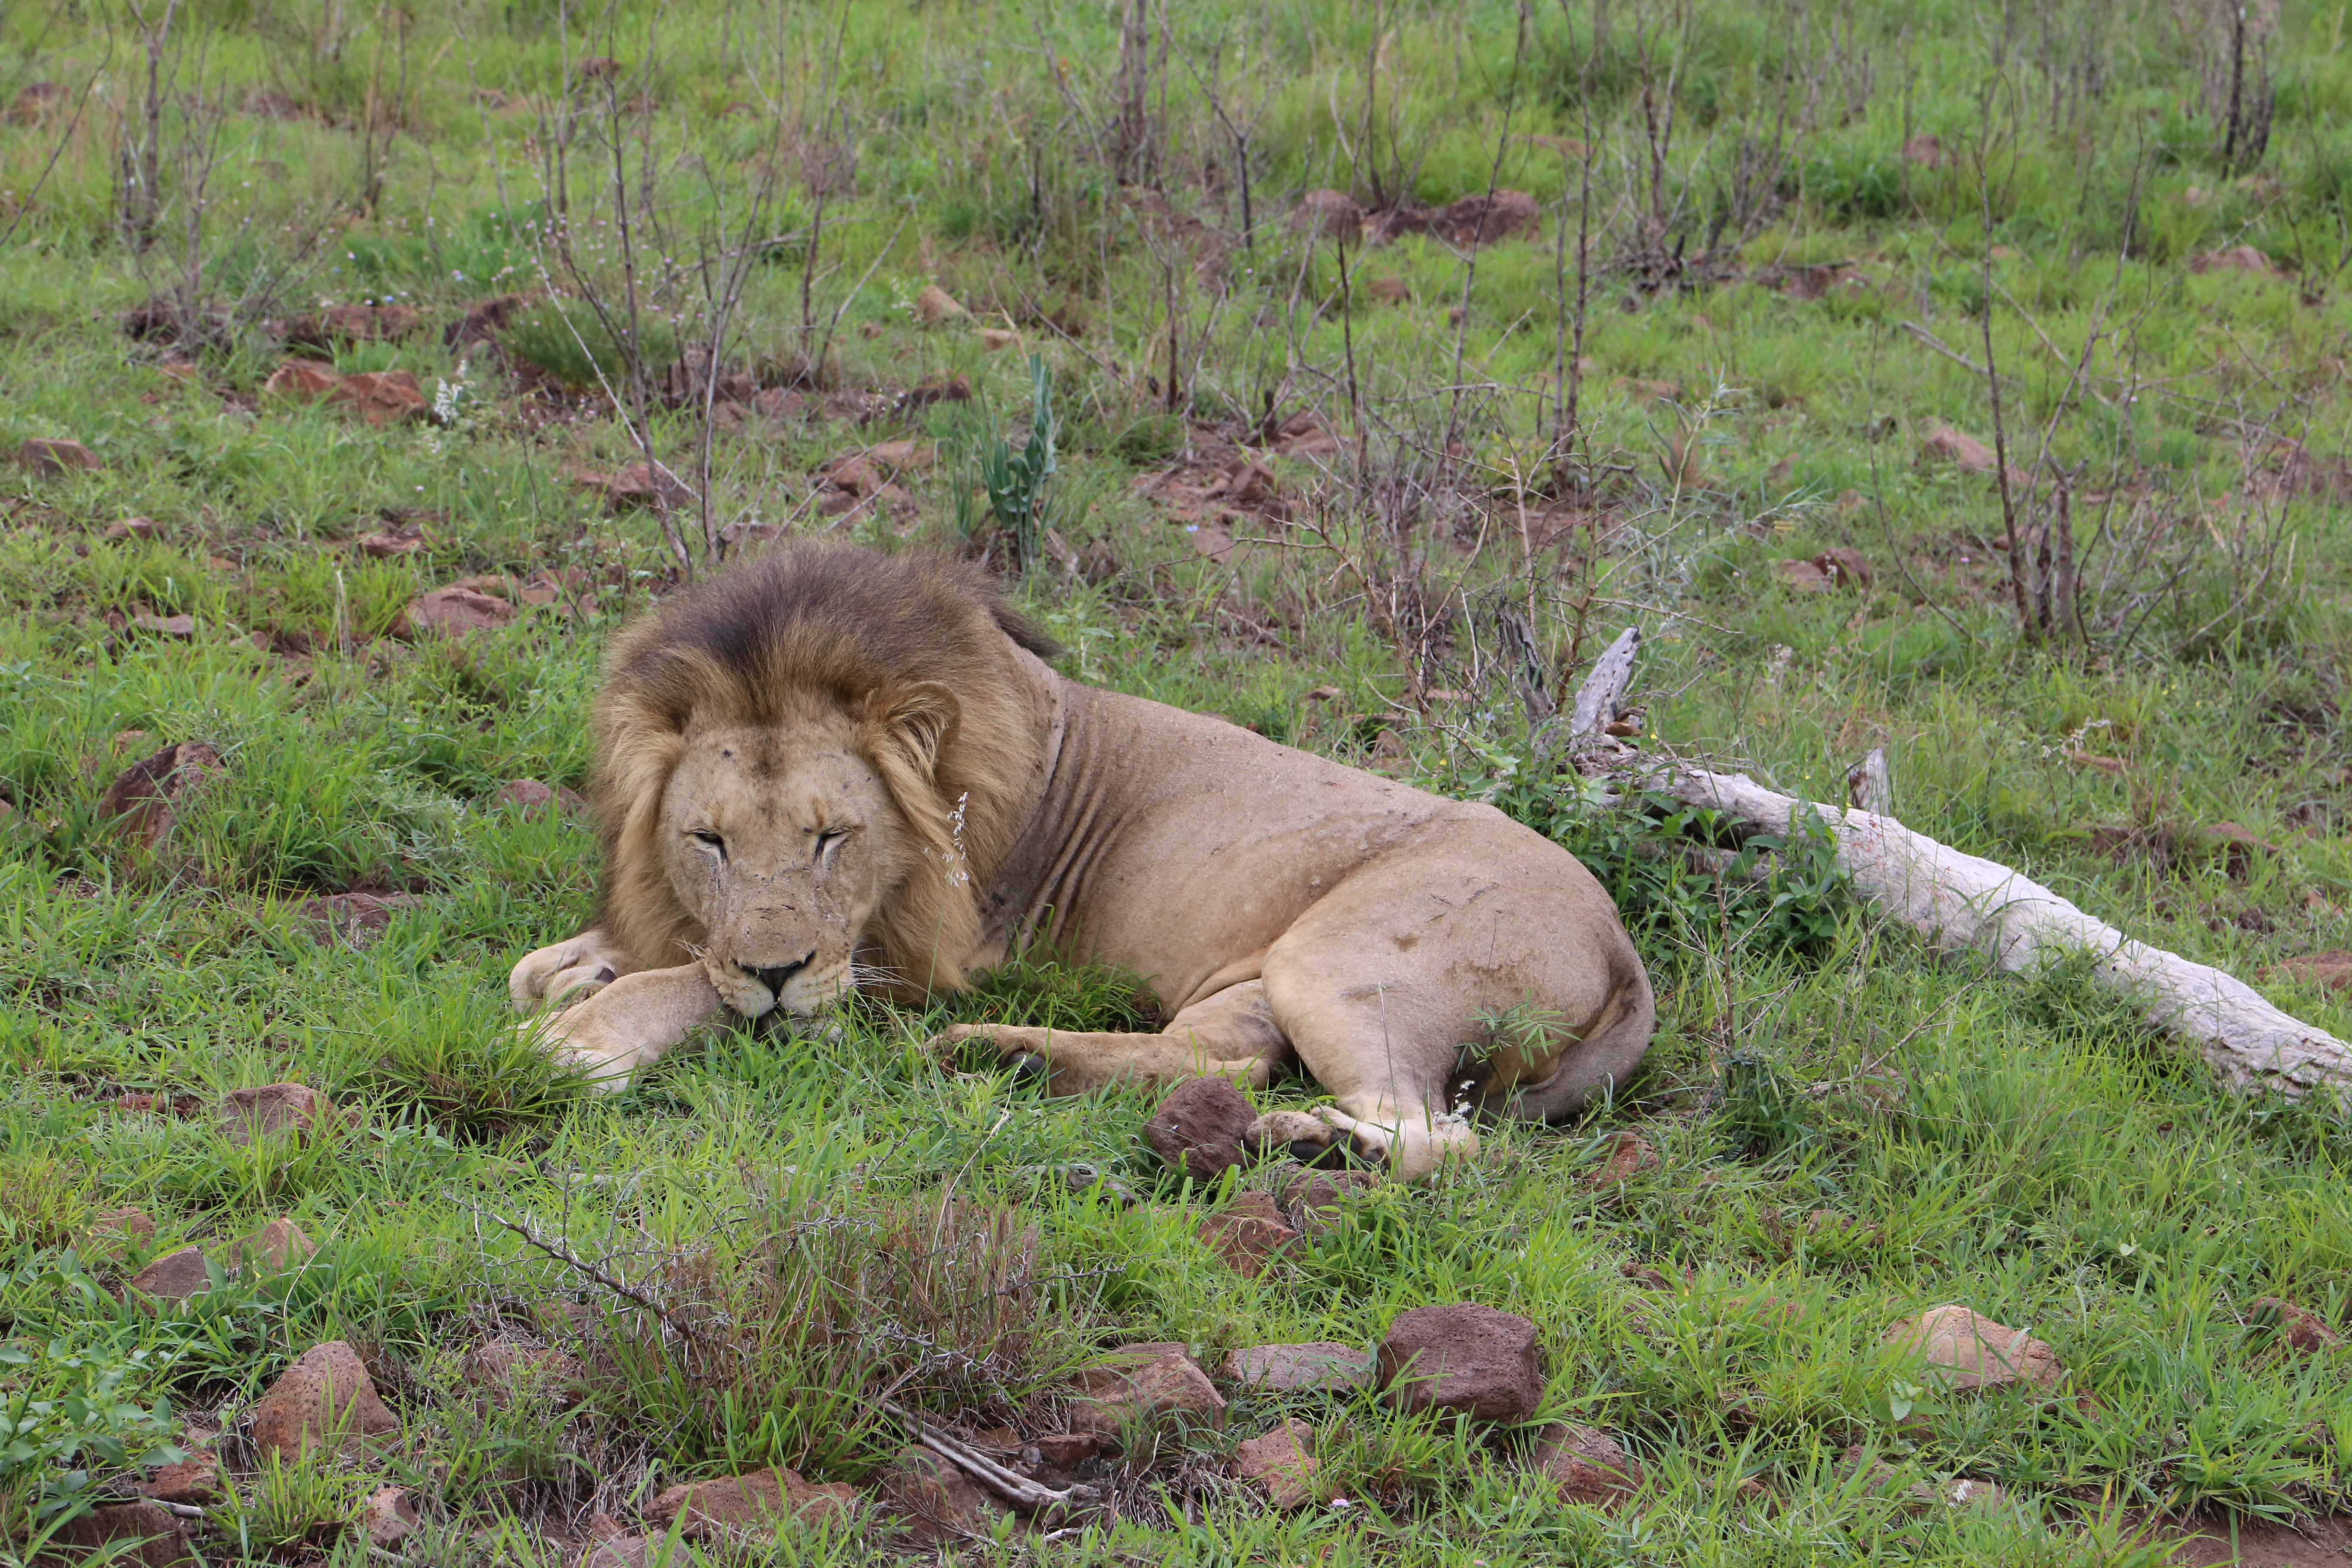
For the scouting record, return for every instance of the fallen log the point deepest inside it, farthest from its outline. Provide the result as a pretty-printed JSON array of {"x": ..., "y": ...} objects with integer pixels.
[{"x": 1957, "y": 901}]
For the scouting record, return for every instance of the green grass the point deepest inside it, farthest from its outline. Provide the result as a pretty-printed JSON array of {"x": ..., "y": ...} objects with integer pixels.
[{"x": 1852, "y": 1130}]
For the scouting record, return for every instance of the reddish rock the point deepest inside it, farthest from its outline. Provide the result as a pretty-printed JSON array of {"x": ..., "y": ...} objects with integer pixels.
[
  {"x": 453, "y": 610},
  {"x": 131, "y": 1223},
  {"x": 166, "y": 626},
  {"x": 160, "y": 1540},
  {"x": 380, "y": 396},
  {"x": 35, "y": 102},
  {"x": 707, "y": 1510},
  {"x": 533, "y": 798},
  {"x": 175, "y": 1277},
  {"x": 1629, "y": 1155},
  {"x": 624, "y": 1551},
  {"x": 275, "y": 1108},
  {"x": 1927, "y": 150},
  {"x": 390, "y": 546},
  {"x": 640, "y": 484},
  {"x": 1315, "y": 1201},
  {"x": 352, "y": 324},
  {"x": 193, "y": 1482},
  {"x": 360, "y": 920},
  {"x": 1067, "y": 1450},
  {"x": 1487, "y": 219},
  {"x": 483, "y": 323},
  {"x": 326, "y": 1399},
  {"x": 934, "y": 305},
  {"x": 1470, "y": 1360},
  {"x": 1317, "y": 1367},
  {"x": 1965, "y": 1350},
  {"x": 511, "y": 1364},
  {"x": 1586, "y": 1465},
  {"x": 133, "y": 528},
  {"x": 1136, "y": 1387},
  {"x": 1802, "y": 577},
  {"x": 1844, "y": 568},
  {"x": 278, "y": 1246},
  {"x": 302, "y": 379},
  {"x": 389, "y": 1517},
  {"x": 1945, "y": 444},
  {"x": 143, "y": 801},
  {"x": 1282, "y": 1462},
  {"x": 1330, "y": 214},
  {"x": 2299, "y": 1329},
  {"x": 1198, "y": 1128},
  {"x": 2242, "y": 258},
  {"x": 2322, "y": 970},
  {"x": 1248, "y": 1233},
  {"x": 54, "y": 458},
  {"x": 933, "y": 1499}
]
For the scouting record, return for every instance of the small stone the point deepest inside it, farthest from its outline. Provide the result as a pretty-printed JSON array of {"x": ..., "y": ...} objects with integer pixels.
[
  {"x": 133, "y": 528},
  {"x": 1965, "y": 1494},
  {"x": 1629, "y": 1155},
  {"x": 1317, "y": 1367},
  {"x": 2301, "y": 1331},
  {"x": 143, "y": 799},
  {"x": 934, "y": 1499},
  {"x": 638, "y": 486},
  {"x": 175, "y": 1277},
  {"x": 166, "y": 626},
  {"x": 1133, "y": 1389},
  {"x": 1924, "y": 149},
  {"x": 2328, "y": 970},
  {"x": 248, "y": 1114},
  {"x": 1802, "y": 577},
  {"x": 996, "y": 340},
  {"x": 1586, "y": 1463},
  {"x": 511, "y": 1364},
  {"x": 1198, "y": 1128},
  {"x": 708, "y": 1510},
  {"x": 1487, "y": 219},
  {"x": 1466, "y": 1359},
  {"x": 194, "y": 1482},
  {"x": 278, "y": 1246},
  {"x": 1647, "y": 1277},
  {"x": 453, "y": 610},
  {"x": 389, "y": 546},
  {"x": 1330, "y": 214},
  {"x": 54, "y": 458},
  {"x": 1249, "y": 1234},
  {"x": 1067, "y": 1450},
  {"x": 32, "y": 105},
  {"x": 380, "y": 396},
  {"x": 1968, "y": 1352},
  {"x": 1283, "y": 1462},
  {"x": 1945, "y": 444},
  {"x": 360, "y": 920},
  {"x": 162, "y": 1543},
  {"x": 132, "y": 1223},
  {"x": 534, "y": 799},
  {"x": 302, "y": 379},
  {"x": 2242, "y": 258},
  {"x": 620, "y": 1551},
  {"x": 325, "y": 1399},
  {"x": 1844, "y": 568},
  {"x": 935, "y": 305},
  {"x": 389, "y": 1518}
]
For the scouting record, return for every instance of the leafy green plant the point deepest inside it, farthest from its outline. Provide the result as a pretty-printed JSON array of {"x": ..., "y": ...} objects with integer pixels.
[
  {"x": 1016, "y": 483},
  {"x": 65, "y": 1417}
]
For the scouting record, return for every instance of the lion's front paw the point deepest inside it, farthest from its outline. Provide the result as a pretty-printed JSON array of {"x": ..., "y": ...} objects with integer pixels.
[
  {"x": 580, "y": 1049},
  {"x": 566, "y": 973},
  {"x": 946, "y": 1046}
]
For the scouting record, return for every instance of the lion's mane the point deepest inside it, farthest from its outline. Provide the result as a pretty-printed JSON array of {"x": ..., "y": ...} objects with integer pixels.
[{"x": 806, "y": 624}]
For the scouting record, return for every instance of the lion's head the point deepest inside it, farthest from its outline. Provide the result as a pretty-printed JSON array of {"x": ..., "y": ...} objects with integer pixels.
[{"x": 811, "y": 761}]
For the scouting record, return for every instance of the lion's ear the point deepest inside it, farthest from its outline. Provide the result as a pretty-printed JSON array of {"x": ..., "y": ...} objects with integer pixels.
[{"x": 911, "y": 725}]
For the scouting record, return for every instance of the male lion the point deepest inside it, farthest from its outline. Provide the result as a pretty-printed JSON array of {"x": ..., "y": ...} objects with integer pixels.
[{"x": 830, "y": 768}]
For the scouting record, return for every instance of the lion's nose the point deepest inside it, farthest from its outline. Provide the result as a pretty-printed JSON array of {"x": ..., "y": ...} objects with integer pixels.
[{"x": 774, "y": 979}]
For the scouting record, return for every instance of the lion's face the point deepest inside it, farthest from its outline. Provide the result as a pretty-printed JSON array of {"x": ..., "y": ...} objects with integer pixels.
[{"x": 782, "y": 848}]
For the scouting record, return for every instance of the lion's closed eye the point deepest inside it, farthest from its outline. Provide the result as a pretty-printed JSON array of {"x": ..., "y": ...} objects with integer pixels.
[{"x": 709, "y": 838}]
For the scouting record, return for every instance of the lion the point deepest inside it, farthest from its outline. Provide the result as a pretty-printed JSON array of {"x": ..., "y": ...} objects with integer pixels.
[{"x": 831, "y": 770}]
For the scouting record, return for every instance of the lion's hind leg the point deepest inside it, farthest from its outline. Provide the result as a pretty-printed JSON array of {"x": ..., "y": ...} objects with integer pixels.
[
  {"x": 568, "y": 971},
  {"x": 1229, "y": 1035}
]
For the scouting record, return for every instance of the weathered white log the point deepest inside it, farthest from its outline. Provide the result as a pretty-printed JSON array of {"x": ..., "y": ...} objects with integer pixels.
[
  {"x": 1957, "y": 901},
  {"x": 1870, "y": 785}
]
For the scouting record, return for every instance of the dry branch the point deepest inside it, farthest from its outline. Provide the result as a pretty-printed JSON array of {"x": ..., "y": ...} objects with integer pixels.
[{"x": 1957, "y": 901}]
